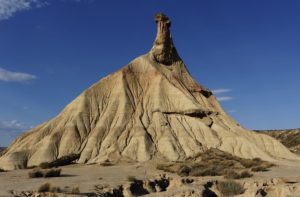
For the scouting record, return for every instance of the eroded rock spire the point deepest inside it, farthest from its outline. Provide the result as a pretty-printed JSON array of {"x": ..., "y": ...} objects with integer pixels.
[{"x": 163, "y": 49}]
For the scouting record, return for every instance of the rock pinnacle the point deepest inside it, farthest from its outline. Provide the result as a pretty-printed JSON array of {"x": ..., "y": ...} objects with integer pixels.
[{"x": 163, "y": 49}]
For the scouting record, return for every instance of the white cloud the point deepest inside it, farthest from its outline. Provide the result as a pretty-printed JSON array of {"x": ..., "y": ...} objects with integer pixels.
[
  {"x": 221, "y": 90},
  {"x": 8, "y": 76},
  {"x": 9, "y": 7},
  {"x": 224, "y": 98},
  {"x": 10, "y": 130},
  {"x": 13, "y": 128}
]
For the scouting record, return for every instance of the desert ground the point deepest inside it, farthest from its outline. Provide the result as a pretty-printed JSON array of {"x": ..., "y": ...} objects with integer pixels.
[{"x": 135, "y": 180}]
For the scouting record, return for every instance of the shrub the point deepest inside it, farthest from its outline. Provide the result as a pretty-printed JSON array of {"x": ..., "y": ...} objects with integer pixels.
[
  {"x": 257, "y": 159},
  {"x": 1, "y": 170},
  {"x": 234, "y": 175},
  {"x": 36, "y": 173},
  {"x": 64, "y": 160},
  {"x": 52, "y": 172},
  {"x": 55, "y": 189},
  {"x": 131, "y": 178},
  {"x": 245, "y": 174},
  {"x": 230, "y": 188},
  {"x": 207, "y": 171},
  {"x": 45, "y": 165},
  {"x": 259, "y": 169},
  {"x": 45, "y": 187},
  {"x": 75, "y": 190}
]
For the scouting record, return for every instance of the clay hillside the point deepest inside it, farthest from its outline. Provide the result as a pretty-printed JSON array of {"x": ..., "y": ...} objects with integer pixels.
[
  {"x": 150, "y": 109},
  {"x": 289, "y": 137}
]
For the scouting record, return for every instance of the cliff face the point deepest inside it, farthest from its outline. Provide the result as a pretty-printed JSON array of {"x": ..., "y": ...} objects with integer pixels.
[{"x": 149, "y": 109}]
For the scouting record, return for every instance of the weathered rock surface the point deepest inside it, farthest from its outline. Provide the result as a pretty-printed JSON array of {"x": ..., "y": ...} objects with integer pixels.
[{"x": 150, "y": 109}]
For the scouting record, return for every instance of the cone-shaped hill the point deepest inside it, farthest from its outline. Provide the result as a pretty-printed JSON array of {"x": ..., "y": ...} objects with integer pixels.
[{"x": 149, "y": 109}]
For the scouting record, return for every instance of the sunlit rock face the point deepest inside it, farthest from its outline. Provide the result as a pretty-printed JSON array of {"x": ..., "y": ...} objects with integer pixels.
[{"x": 150, "y": 109}]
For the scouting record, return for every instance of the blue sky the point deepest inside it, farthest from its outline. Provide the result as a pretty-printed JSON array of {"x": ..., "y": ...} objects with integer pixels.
[{"x": 246, "y": 51}]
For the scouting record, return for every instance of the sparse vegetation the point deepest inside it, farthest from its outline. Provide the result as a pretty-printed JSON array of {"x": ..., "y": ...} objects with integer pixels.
[
  {"x": 131, "y": 178},
  {"x": 55, "y": 172},
  {"x": 38, "y": 173},
  {"x": 235, "y": 175},
  {"x": 64, "y": 160},
  {"x": 215, "y": 163},
  {"x": 75, "y": 190},
  {"x": 106, "y": 163},
  {"x": 46, "y": 187},
  {"x": 35, "y": 173},
  {"x": 230, "y": 188},
  {"x": 259, "y": 169}
]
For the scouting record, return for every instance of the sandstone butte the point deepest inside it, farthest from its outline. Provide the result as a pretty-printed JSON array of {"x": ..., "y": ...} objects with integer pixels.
[{"x": 150, "y": 109}]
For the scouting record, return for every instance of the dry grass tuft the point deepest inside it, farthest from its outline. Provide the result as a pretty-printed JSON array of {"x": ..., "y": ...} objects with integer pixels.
[
  {"x": 35, "y": 173},
  {"x": 38, "y": 173},
  {"x": 215, "y": 163},
  {"x": 75, "y": 190},
  {"x": 132, "y": 178},
  {"x": 45, "y": 187},
  {"x": 259, "y": 169},
  {"x": 62, "y": 161},
  {"x": 231, "y": 174},
  {"x": 230, "y": 188}
]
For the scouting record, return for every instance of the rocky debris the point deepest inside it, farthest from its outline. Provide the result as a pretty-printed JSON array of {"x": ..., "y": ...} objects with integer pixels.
[
  {"x": 150, "y": 109},
  {"x": 289, "y": 137},
  {"x": 175, "y": 187}
]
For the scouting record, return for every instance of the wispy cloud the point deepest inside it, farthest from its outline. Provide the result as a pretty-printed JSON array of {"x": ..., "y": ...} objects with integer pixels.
[
  {"x": 10, "y": 76},
  {"x": 221, "y": 90},
  {"x": 10, "y": 130},
  {"x": 224, "y": 98},
  {"x": 13, "y": 125},
  {"x": 9, "y": 7}
]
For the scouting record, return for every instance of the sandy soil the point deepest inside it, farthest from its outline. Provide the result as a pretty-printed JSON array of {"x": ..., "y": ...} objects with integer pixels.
[{"x": 87, "y": 176}]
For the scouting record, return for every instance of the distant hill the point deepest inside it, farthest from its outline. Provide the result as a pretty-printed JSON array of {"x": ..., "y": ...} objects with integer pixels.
[{"x": 289, "y": 137}]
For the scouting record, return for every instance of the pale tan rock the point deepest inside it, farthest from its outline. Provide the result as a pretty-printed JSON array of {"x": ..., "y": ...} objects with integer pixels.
[{"x": 151, "y": 108}]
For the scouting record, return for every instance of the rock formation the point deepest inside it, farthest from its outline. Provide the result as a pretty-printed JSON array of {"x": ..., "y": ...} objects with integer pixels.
[{"x": 149, "y": 109}]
